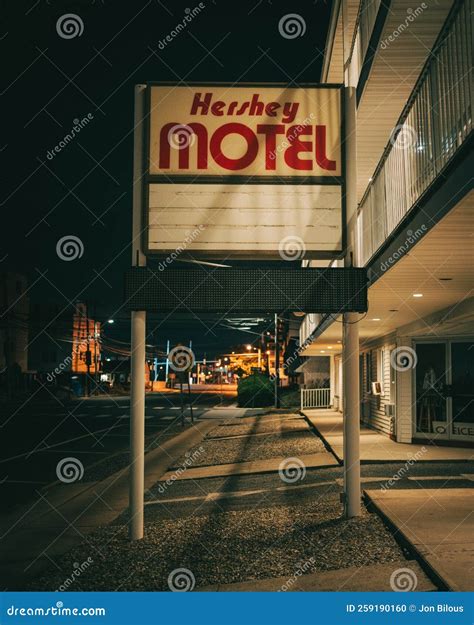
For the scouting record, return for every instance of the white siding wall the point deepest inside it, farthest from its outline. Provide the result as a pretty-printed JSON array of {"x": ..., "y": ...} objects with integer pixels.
[{"x": 379, "y": 364}]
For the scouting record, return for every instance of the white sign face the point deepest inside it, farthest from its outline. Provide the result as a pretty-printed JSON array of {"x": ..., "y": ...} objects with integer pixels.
[
  {"x": 251, "y": 219},
  {"x": 244, "y": 172}
]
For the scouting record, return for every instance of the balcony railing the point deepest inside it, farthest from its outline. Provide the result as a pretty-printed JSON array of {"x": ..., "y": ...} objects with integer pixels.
[
  {"x": 364, "y": 27},
  {"x": 432, "y": 128}
]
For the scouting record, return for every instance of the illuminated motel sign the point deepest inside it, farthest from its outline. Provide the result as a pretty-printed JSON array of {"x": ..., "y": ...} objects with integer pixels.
[{"x": 234, "y": 170}]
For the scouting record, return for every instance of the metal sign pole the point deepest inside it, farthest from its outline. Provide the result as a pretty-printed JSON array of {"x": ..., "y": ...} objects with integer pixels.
[
  {"x": 277, "y": 365},
  {"x": 350, "y": 351},
  {"x": 137, "y": 369}
]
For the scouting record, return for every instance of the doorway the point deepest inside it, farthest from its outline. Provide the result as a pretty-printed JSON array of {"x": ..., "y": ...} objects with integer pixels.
[{"x": 444, "y": 389}]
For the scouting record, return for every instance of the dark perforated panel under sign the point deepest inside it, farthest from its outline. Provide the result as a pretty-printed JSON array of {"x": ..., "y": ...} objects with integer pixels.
[{"x": 257, "y": 290}]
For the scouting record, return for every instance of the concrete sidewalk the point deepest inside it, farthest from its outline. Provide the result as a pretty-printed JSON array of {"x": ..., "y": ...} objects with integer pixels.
[
  {"x": 374, "y": 578},
  {"x": 64, "y": 514},
  {"x": 439, "y": 525},
  {"x": 271, "y": 465},
  {"x": 376, "y": 447}
]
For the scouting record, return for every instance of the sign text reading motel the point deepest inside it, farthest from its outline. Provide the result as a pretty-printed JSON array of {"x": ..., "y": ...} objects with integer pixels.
[
  {"x": 248, "y": 165},
  {"x": 302, "y": 146}
]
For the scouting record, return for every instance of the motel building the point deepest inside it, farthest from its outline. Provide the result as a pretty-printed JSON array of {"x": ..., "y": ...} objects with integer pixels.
[{"x": 414, "y": 222}]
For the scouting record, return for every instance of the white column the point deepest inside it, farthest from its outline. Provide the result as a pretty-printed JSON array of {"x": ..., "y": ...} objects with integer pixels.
[
  {"x": 351, "y": 415},
  {"x": 405, "y": 405},
  {"x": 350, "y": 341},
  {"x": 332, "y": 380},
  {"x": 137, "y": 371}
]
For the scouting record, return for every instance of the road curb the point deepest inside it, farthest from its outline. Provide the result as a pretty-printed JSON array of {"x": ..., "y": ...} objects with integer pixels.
[
  {"x": 78, "y": 515},
  {"x": 157, "y": 461},
  {"x": 318, "y": 433}
]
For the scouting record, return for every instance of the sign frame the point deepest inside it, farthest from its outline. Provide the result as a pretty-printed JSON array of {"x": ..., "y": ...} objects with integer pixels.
[{"x": 147, "y": 178}]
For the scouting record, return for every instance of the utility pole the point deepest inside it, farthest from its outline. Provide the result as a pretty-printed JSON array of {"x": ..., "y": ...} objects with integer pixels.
[
  {"x": 88, "y": 352},
  {"x": 96, "y": 364},
  {"x": 167, "y": 363},
  {"x": 137, "y": 369},
  {"x": 350, "y": 342},
  {"x": 277, "y": 365}
]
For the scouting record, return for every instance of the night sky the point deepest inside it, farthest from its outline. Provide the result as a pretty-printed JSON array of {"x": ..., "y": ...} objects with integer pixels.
[{"x": 85, "y": 189}]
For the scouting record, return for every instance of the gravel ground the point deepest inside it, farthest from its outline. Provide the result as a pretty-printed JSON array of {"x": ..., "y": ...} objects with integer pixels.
[
  {"x": 227, "y": 547},
  {"x": 258, "y": 448},
  {"x": 287, "y": 425}
]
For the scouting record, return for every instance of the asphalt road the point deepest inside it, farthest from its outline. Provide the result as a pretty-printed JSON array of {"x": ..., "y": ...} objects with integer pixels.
[{"x": 36, "y": 435}]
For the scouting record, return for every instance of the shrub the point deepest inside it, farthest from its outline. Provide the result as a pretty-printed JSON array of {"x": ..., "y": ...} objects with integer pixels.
[{"x": 255, "y": 391}]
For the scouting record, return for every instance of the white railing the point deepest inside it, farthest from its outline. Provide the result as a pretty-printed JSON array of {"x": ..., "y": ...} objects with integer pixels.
[
  {"x": 315, "y": 398},
  {"x": 433, "y": 126},
  {"x": 364, "y": 27}
]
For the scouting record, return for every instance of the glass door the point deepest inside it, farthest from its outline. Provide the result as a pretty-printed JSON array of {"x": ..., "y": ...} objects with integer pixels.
[
  {"x": 430, "y": 387},
  {"x": 462, "y": 390}
]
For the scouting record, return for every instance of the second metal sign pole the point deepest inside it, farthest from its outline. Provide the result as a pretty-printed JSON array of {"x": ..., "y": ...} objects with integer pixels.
[
  {"x": 350, "y": 351},
  {"x": 138, "y": 336},
  {"x": 277, "y": 365}
]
